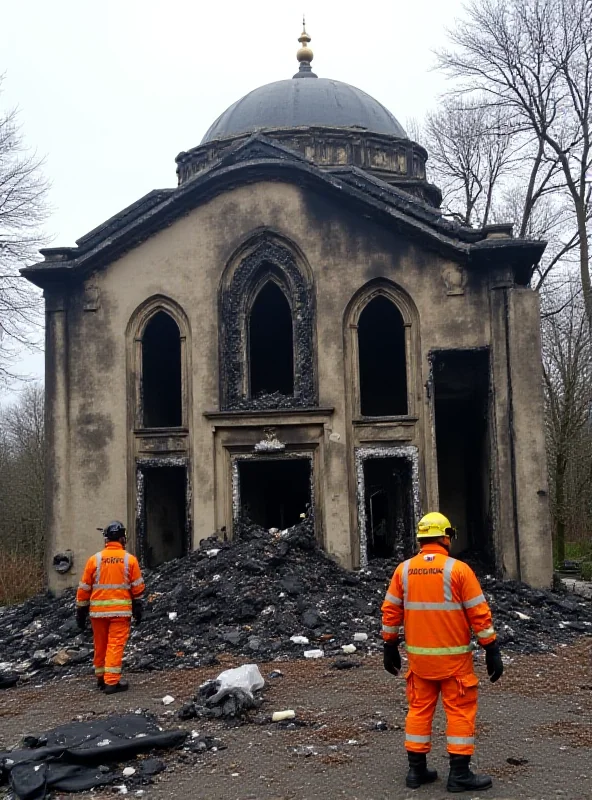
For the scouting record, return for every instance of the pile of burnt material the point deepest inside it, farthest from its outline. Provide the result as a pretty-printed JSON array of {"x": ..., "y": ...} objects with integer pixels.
[
  {"x": 267, "y": 595},
  {"x": 80, "y": 756}
]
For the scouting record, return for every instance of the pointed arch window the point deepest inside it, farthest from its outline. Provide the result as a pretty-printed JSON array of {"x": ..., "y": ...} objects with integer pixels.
[
  {"x": 382, "y": 362},
  {"x": 161, "y": 392},
  {"x": 267, "y": 312},
  {"x": 271, "y": 343}
]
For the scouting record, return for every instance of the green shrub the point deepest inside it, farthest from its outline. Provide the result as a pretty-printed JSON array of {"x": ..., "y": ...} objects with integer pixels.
[{"x": 587, "y": 571}]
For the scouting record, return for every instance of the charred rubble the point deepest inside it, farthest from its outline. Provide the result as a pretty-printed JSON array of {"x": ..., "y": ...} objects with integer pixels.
[{"x": 250, "y": 597}]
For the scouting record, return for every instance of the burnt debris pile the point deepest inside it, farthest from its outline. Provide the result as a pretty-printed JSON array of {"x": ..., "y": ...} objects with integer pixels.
[
  {"x": 268, "y": 594},
  {"x": 80, "y": 756}
]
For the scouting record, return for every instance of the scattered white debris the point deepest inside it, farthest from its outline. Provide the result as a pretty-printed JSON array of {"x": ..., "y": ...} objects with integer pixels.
[
  {"x": 128, "y": 772},
  {"x": 313, "y": 654},
  {"x": 520, "y": 615},
  {"x": 104, "y": 743},
  {"x": 278, "y": 716},
  {"x": 167, "y": 700},
  {"x": 360, "y": 637},
  {"x": 299, "y": 639},
  {"x": 216, "y": 578},
  {"x": 213, "y": 552},
  {"x": 235, "y": 775},
  {"x": 121, "y": 789},
  {"x": 173, "y": 615},
  {"x": 140, "y": 735},
  {"x": 349, "y": 648}
]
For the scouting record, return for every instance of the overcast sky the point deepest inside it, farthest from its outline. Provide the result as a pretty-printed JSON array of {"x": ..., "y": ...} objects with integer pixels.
[{"x": 110, "y": 91}]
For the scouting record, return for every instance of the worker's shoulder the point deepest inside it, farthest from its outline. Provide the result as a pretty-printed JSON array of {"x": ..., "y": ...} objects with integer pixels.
[
  {"x": 462, "y": 568},
  {"x": 132, "y": 559}
]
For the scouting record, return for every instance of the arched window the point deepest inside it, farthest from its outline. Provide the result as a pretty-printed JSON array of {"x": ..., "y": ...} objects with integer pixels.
[
  {"x": 271, "y": 343},
  {"x": 161, "y": 373},
  {"x": 267, "y": 313},
  {"x": 382, "y": 365}
]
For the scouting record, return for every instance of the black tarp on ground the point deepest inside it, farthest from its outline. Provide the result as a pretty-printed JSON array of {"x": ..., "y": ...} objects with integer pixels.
[{"x": 66, "y": 758}]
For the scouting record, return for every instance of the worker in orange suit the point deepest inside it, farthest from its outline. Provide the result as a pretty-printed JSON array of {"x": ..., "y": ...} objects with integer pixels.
[
  {"x": 439, "y": 602},
  {"x": 111, "y": 592}
]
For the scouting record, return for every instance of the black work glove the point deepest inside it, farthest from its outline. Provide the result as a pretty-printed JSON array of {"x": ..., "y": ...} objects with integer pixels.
[
  {"x": 137, "y": 611},
  {"x": 82, "y": 616},
  {"x": 392, "y": 658},
  {"x": 493, "y": 661}
]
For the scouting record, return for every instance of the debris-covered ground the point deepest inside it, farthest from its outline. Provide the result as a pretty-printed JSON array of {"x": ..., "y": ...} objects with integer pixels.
[
  {"x": 265, "y": 596},
  {"x": 345, "y": 738}
]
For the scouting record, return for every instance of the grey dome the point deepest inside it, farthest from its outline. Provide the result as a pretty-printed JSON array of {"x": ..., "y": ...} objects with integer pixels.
[{"x": 303, "y": 103}]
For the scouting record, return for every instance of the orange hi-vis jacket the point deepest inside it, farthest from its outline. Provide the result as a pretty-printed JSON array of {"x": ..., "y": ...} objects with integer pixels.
[
  {"x": 438, "y": 600},
  {"x": 110, "y": 581}
]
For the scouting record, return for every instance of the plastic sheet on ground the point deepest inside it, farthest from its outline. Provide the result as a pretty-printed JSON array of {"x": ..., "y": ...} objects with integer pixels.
[{"x": 66, "y": 758}]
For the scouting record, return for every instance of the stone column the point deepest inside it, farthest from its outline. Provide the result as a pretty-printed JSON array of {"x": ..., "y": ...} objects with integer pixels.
[
  {"x": 522, "y": 529},
  {"x": 532, "y": 501},
  {"x": 57, "y": 516}
]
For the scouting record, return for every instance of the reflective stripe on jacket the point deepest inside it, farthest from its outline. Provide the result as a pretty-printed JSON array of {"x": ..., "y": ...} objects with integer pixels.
[
  {"x": 110, "y": 581},
  {"x": 439, "y": 601}
]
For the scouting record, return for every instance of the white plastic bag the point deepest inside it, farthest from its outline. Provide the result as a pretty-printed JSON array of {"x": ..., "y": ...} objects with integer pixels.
[{"x": 246, "y": 677}]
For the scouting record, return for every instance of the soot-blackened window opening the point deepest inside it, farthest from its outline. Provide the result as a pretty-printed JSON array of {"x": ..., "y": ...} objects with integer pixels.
[
  {"x": 388, "y": 497},
  {"x": 161, "y": 373},
  {"x": 383, "y": 371},
  {"x": 274, "y": 493},
  {"x": 165, "y": 514},
  {"x": 271, "y": 343}
]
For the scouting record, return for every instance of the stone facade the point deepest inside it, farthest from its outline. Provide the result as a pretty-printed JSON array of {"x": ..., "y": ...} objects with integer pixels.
[{"x": 259, "y": 212}]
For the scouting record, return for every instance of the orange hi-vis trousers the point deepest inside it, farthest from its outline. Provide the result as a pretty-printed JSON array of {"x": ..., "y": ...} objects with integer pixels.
[
  {"x": 459, "y": 698},
  {"x": 110, "y": 635}
]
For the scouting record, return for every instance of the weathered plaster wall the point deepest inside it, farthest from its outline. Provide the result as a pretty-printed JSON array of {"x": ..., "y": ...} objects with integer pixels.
[{"x": 186, "y": 262}]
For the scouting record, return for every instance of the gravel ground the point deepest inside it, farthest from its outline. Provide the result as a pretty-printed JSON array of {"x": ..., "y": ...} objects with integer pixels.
[{"x": 540, "y": 713}]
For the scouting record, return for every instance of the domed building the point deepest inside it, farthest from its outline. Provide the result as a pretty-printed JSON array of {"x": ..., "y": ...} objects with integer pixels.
[{"x": 296, "y": 331}]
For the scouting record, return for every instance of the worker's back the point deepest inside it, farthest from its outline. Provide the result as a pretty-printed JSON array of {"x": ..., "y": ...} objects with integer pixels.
[{"x": 113, "y": 578}]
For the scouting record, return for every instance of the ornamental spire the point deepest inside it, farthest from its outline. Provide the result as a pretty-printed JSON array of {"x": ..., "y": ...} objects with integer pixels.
[{"x": 304, "y": 54}]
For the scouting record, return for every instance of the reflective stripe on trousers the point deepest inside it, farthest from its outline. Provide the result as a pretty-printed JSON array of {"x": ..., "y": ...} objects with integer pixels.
[
  {"x": 110, "y": 636},
  {"x": 459, "y": 698}
]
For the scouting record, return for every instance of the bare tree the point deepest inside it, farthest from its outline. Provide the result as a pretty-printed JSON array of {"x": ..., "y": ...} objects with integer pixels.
[
  {"x": 471, "y": 149},
  {"x": 533, "y": 58},
  {"x": 567, "y": 369},
  {"x": 23, "y": 210},
  {"x": 22, "y": 539}
]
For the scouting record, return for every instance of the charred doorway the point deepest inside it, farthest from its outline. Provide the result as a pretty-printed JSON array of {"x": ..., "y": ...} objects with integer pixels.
[
  {"x": 162, "y": 515},
  {"x": 461, "y": 393},
  {"x": 387, "y": 502},
  {"x": 274, "y": 492}
]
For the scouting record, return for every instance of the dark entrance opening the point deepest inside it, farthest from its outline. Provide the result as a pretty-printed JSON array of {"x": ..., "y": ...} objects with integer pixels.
[
  {"x": 381, "y": 347},
  {"x": 165, "y": 514},
  {"x": 161, "y": 373},
  {"x": 275, "y": 492},
  {"x": 388, "y": 496},
  {"x": 461, "y": 390},
  {"x": 271, "y": 343}
]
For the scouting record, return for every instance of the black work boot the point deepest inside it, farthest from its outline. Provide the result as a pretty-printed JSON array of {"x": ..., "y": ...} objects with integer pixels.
[
  {"x": 114, "y": 688},
  {"x": 418, "y": 771},
  {"x": 101, "y": 683},
  {"x": 461, "y": 779}
]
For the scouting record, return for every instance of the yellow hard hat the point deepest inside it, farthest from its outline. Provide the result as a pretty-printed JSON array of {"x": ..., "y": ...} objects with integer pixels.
[{"x": 435, "y": 524}]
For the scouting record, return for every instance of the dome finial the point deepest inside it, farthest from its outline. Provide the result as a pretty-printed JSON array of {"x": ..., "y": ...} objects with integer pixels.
[{"x": 304, "y": 54}]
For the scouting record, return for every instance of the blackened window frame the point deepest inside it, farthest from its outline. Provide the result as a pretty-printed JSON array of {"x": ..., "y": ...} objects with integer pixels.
[{"x": 257, "y": 262}]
